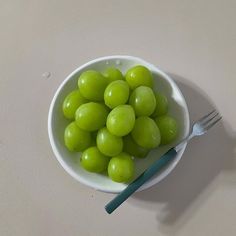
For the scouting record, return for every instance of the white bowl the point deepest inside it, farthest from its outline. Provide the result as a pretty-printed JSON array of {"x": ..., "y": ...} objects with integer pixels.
[{"x": 57, "y": 124}]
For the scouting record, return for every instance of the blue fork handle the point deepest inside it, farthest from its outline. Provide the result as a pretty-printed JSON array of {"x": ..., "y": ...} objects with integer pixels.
[{"x": 137, "y": 183}]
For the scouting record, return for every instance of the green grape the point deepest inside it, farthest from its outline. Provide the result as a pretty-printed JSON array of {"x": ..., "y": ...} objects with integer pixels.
[
  {"x": 168, "y": 128},
  {"x": 113, "y": 74},
  {"x": 109, "y": 144},
  {"x": 92, "y": 85},
  {"x": 161, "y": 105},
  {"x": 91, "y": 116},
  {"x": 139, "y": 75},
  {"x": 116, "y": 93},
  {"x": 120, "y": 120},
  {"x": 121, "y": 168},
  {"x": 93, "y": 160},
  {"x": 72, "y": 101},
  {"x": 146, "y": 133},
  {"x": 132, "y": 148},
  {"x": 143, "y": 100},
  {"x": 76, "y": 139}
]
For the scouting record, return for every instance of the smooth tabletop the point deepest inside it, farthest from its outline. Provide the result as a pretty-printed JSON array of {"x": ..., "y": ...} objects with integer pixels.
[{"x": 43, "y": 41}]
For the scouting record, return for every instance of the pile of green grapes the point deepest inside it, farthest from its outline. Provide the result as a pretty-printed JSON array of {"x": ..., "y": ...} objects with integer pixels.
[{"x": 115, "y": 118}]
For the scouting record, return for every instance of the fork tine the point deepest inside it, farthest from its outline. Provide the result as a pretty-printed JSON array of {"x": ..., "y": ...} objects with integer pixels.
[
  {"x": 206, "y": 121},
  {"x": 206, "y": 116},
  {"x": 212, "y": 123}
]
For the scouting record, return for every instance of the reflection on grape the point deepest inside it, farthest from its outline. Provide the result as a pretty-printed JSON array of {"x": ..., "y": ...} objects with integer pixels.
[
  {"x": 113, "y": 74},
  {"x": 168, "y": 128},
  {"x": 120, "y": 120},
  {"x": 91, "y": 116},
  {"x": 161, "y": 105},
  {"x": 121, "y": 168},
  {"x": 146, "y": 133},
  {"x": 92, "y": 85},
  {"x": 72, "y": 101},
  {"x": 116, "y": 93},
  {"x": 93, "y": 160},
  {"x": 143, "y": 100},
  {"x": 108, "y": 143},
  {"x": 76, "y": 139},
  {"x": 139, "y": 75}
]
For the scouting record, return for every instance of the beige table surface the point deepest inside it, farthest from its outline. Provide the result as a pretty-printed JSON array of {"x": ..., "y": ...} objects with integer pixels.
[{"x": 194, "y": 41}]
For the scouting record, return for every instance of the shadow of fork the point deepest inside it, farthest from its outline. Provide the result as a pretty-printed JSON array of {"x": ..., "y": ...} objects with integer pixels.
[{"x": 175, "y": 198}]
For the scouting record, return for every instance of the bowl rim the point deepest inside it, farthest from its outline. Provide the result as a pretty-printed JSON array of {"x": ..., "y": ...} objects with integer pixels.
[{"x": 84, "y": 181}]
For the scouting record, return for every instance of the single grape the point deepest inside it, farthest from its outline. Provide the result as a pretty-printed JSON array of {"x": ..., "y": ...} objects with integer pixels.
[
  {"x": 121, "y": 168},
  {"x": 76, "y": 139},
  {"x": 161, "y": 105},
  {"x": 120, "y": 120},
  {"x": 146, "y": 133},
  {"x": 168, "y": 128},
  {"x": 109, "y": 144},
  {"x": 72, "y": 101},
  {"x": 116, "y": 93},
  {"x": 113, "y": 74},
  {"x": 132, "y": 148},
  {"x": 93, "y": 160},
  {"x": 92, "y": 85},
  {"x": 91, "y": 116},
  {"x": 143, "y": 100},
  {"x": 139, "y": 75}
]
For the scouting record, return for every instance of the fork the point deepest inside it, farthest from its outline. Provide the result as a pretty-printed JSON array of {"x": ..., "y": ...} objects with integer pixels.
[{"x": 199, "y": 128}]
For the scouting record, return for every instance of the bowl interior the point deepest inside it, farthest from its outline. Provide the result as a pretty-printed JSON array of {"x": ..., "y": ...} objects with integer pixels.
[{"x": 57, "y": 123}]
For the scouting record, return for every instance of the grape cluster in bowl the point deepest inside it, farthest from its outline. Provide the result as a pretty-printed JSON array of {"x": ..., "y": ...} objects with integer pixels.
[{"x": 115, "y": 118}]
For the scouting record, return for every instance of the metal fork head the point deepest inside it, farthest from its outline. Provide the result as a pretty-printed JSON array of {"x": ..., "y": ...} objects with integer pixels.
[{"x": 205, "y": 123}]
